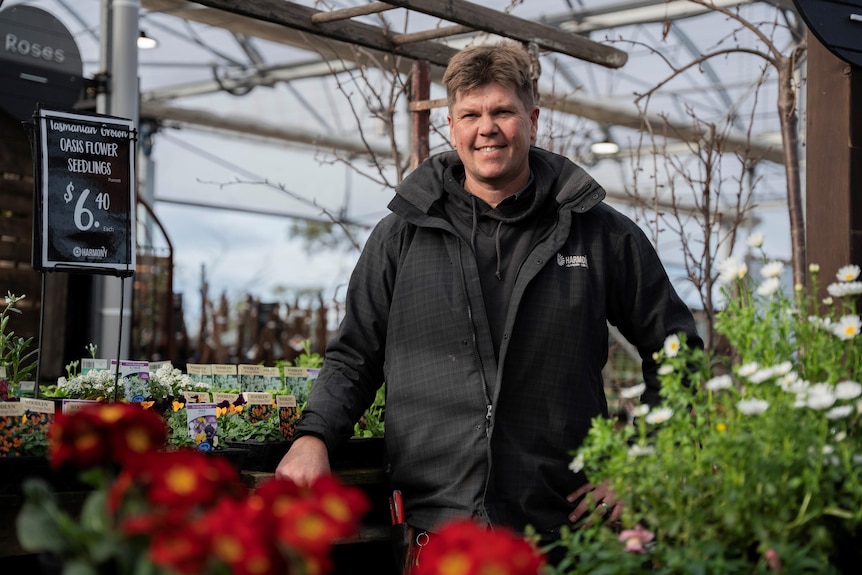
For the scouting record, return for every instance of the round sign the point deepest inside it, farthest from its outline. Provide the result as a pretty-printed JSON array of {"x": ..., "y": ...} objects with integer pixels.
[
  {"x": 838, "y": 26},
  {"x": 39, "y": 62}
]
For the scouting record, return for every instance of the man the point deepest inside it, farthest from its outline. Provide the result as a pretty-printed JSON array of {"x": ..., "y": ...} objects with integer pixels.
[{"x": 482, "y": 301}]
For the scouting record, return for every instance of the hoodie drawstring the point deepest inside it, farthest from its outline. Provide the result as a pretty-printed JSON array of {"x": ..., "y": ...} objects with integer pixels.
[{"x": 497, "y": 273}]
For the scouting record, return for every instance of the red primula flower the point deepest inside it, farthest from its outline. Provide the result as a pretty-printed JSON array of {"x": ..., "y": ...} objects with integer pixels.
[
  {"x": 180, "y": 547},
  {"x": 105, "y": 434},
  {"x": 185, "y": 478},
  {"x": 245, "y": 546},
  {"x": 464, "y": 547}
]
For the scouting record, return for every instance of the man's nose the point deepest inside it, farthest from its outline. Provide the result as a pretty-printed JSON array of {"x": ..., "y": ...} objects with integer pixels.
[{"x": 487, "y": 124}]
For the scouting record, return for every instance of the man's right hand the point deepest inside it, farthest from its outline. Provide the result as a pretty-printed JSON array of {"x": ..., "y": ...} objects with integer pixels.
[{"x": 305, "y": 461}]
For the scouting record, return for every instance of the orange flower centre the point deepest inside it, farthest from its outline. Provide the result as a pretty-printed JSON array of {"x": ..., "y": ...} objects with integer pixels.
[
  {"x": 86, "y": 441},
  {"x": 138, "y": 440},
  {"x": 311, "y": 527},
  {"x": 454, "y": 564},
  {"x": 228, "y": 549},
  {"x": 111, "y": 413},
  {"x": 336, "y": 508},
  {"x": 182, "y": 480}
]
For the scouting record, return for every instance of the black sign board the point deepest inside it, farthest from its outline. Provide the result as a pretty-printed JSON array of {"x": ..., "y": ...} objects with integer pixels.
[
  {"x": 39, "y": 62},
  {"x": 85, "y": 209},
  {"x": 837, "y": 24}
]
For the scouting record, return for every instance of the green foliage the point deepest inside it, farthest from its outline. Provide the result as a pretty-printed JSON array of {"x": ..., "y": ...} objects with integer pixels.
[
  {"x": 752, "y": 456},
  {"x": 15, "y": 356},
  {"x": 371, "y": 424}
]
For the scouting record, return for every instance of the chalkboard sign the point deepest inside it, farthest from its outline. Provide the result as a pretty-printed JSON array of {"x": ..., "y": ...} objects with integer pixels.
[
  {"x": 85, "y": 209},
  {"x": 837, "y": 24}
]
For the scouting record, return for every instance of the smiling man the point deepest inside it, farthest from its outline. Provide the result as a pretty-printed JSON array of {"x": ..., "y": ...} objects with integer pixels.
[{"x": 483, "y": 303}]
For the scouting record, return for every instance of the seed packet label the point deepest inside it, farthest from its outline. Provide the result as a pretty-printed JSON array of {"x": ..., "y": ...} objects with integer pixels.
[
  {"x": 135, "y": 376},
  {"x": 288, "y": 415},
  {"x": 225, "y": 376},
  {"x": 90, "y": 363},
  {"x": 259, "y": 406},
  {"x": 38, "y": 405},
  {"x": 203, "y": 426},
  {"x": 271, "y": 379},
  {"x": 296, "y": 382},
  {"x": 74, "y": 405},
  {"x": 196, "y": 397},
  {"x": 11, "y": 409},
  {"x": 13, "y": 426},
  {"x": 251, "y": 378},
  {"x": 219, "y": 397},
  {"x": 200, "y": 372},
  {"x": 22, "y": 419}
]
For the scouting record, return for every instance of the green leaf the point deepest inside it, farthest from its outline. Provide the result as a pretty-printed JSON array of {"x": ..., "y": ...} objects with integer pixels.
[
  {"x": 79, "y": 567},
  {"x": 38, "y": 525}
]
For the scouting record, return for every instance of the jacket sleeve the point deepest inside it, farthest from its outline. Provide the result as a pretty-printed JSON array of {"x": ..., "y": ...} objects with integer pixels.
[
  {"x": 353, "y": 361},
  {"x": 643, "y": 303}
]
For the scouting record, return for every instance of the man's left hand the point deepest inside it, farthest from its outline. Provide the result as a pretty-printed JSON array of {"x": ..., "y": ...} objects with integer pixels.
[{"x": 597, "y": 502}]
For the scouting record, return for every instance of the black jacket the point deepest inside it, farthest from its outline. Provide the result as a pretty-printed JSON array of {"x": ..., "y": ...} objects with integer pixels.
[{"x": 467, "y": 433}]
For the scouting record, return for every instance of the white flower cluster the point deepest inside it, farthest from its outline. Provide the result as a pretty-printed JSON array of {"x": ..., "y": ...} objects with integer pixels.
[
  {"x": 92, "y": 385},
  {"x": 171, "y": 381}
]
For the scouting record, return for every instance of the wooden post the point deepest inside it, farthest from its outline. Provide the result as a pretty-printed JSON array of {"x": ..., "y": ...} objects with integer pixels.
[
  {"x": 833, "y": 195},
  {"x": 420, "y": 91}
]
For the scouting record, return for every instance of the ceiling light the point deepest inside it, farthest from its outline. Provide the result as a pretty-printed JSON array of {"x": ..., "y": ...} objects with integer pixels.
[
  {"x": 604, "y": 148},
  {"x": 145, "y": 42}
]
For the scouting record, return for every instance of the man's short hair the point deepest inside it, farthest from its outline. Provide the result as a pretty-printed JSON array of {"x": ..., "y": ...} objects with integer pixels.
[{"x": 506, "y": 63}]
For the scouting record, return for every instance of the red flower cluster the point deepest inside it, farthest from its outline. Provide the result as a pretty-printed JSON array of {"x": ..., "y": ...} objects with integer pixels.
[
  {"x": 105, "y": 434},
  {"x": 189, "y": 511},
  {"x": 463, "y": 547}
]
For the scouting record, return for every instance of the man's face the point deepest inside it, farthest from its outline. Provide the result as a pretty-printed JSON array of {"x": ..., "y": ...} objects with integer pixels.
[{"x": 492, "y": 130}]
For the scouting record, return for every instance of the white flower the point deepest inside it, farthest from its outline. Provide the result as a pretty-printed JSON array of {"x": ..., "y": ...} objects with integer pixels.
[
  {"x": 773, "y": 269},
  {"x": 814, "y": 268},
  {"x": 577, "y": 463},
  {"x": 671, "y": 345},
  {"x": 847, "y": 390},
  {"x": 731, "y": 269},
  {"x": 641, "y": 450},
  {"x": 798, "y": 387},
  {"x": 641, "y": 410},
  {"x": 762, "y": 375},
  {"x": 747, "y": 369},
  {"x": 857, "y": 458},
  {"x": 827, "y": 301},
  {"x": 844, "y": 289},
  {"x": 848, "y": 273},
  {"x": 633, "y": 391},
  {"x": 665, "y": 369},
  {"x": 659, "y": 415},
  {"x": 719, "y": 382},
  {"x": 820, "y": 396},
  {"x": 769, "y": 287},
  {"x": 752, "y": 406},
  {"x": 839, "y": 412},
  {"x": 755, "y": 240},
  {"x": 847, "y": 327},
  {"x": 787, "y": 380}
]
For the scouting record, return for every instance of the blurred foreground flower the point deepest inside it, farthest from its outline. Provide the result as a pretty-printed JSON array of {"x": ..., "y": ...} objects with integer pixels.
[
  {"x": 184, "y": 511},
  {"x": 463, "y": 547}
]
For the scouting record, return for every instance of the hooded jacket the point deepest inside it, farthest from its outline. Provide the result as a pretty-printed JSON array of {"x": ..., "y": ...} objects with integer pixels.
[{"x": 470, "y": 430}]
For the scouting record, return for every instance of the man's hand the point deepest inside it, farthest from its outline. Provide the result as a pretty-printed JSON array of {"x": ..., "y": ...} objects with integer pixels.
[
  {"x": 596, "y": 502},
  {"x": 305, "y": 461}
]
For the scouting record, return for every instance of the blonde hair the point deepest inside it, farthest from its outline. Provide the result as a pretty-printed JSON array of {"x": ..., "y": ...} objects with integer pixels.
[{"x": 506, "y": 63}]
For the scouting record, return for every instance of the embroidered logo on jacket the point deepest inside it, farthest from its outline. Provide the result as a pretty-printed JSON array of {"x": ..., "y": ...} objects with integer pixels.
[{"x": 572, "y": 261}]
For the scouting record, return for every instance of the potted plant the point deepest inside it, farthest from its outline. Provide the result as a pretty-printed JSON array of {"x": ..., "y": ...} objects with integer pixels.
[{"x": 753, "y": 462}]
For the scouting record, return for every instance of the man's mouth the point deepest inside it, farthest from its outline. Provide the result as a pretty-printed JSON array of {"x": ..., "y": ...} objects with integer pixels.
[{"x": 489, "y": 148}]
